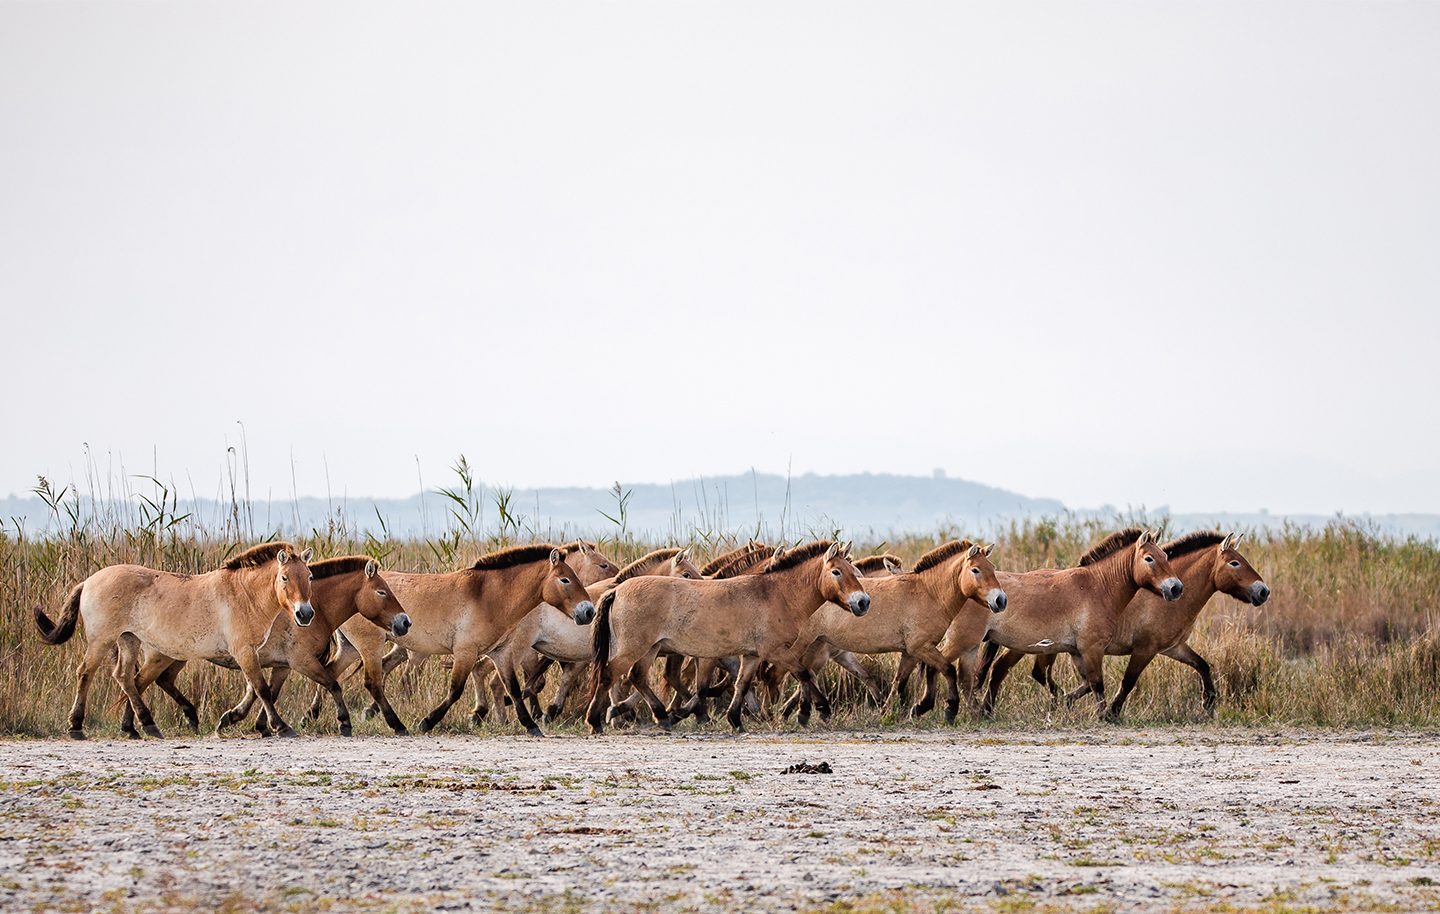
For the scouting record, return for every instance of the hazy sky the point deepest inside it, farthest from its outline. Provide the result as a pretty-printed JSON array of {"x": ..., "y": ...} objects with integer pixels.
[{"x": 1155, "y": 254}]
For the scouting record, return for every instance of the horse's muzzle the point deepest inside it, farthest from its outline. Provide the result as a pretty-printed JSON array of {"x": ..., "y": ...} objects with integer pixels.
[
  {"x": 997, "y": 600},
  {"x": 304, "y": 614},
  {"x": 1171, "y": 589},
  {"x": 400, "y": 625},
  {"x": 1259, "y": 593},
  {"x": 859, "y": 603},
  {"x": 585, "y": 613}
]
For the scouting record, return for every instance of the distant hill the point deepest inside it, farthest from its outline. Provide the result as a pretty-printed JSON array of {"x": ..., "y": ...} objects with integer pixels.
[{"x": 856, "y": 505}]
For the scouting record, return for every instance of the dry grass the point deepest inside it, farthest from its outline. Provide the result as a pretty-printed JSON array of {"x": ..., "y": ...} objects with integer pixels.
[{"x": 1346, "y": 639}]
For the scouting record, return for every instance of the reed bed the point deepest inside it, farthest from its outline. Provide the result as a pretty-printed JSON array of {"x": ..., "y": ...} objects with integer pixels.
[{"x": 1346, "y": 640}]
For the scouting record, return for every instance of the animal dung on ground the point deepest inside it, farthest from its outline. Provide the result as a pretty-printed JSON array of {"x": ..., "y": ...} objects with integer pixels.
[{"x": 805, "y": 768}]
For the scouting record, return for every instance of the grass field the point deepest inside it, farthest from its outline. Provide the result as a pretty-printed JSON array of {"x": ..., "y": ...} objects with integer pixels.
[{"x": 1345, "y": 640}]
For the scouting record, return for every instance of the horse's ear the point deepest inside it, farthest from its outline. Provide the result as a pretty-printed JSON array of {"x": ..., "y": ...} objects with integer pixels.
[
  {"x": 973, "y": 551},
  {"x": 583, "y": 549},
  {"x": 1234, "y": 543},
  {"x": 555, "y": 557},
  {"x": 282, "y": 557},
  {"x": 891, "y": 566},
  {"x": 1146, "y": 537},
  {"x": 987, "y": 550},
  {"x": 833, "y": 551},
  {"x": 846, "y": 550},
  {"x": 307, "y": 555},
  {"x": 371, "y": 569}
]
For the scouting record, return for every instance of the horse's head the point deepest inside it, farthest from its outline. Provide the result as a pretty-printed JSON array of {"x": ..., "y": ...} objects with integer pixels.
[
  {"x": 378, "y": 603},
  {"x": 590, "y": 564},
  {"x": 1152, "y": 569},
  {"x": 977, "y": 580},
  {"x": 682, "y": 567},
  {"x": 1234, "y": 575},
  {"x": 292, "y": 584},
  {"x": 563, "y": 590},
  {"x": 840, "y": 581}
]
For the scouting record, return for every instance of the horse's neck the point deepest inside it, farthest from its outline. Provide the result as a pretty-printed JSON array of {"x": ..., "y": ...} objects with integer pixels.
[
  {"x": 521, "y": 588},
  {"x": 942, "y": 586},
  {"x": 1116, "y": 573},
  {"x": 334, "y": 599},
  {"x": 798, "y": 588},
  {"x": 1197, "y": 572},
  {"x": 251, "y": 588}
]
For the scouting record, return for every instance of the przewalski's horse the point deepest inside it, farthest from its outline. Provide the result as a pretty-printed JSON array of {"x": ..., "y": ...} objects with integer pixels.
[
  {"x": 339, "y": 588},
  {"x": 464, "y": 613},
  {"x": 219, "y": 614},
  {"x": 547, "y": 635},
  {"x": 362, "y": 644},
  {"x": 756, "y": 617},
  {"x": 709, "y": 569},
  {"x": 909, "y": 614},
  {"x": 1076, "y": 611},
  {"x": 1207, "y": 563}
]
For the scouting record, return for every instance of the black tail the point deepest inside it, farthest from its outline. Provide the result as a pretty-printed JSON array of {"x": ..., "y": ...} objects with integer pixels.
[
  {"x": 60, "y": 632},
  {"x": 600, "y": 645}
]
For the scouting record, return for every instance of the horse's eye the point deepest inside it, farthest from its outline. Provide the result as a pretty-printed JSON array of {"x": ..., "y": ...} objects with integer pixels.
[
  {"x": 1149, "y": 560},
  {"x": 835, "y": 571},
  {"x": 312, "y": 575},
  {"x": 565, "y": 581},
  {"x": 975, "y": 571},
  {"x": 604, "y": 565},
  {"x": 381, "y": 593},
  {"x": 1234, "y": 564},
  {"x": 284, "y": 579}
]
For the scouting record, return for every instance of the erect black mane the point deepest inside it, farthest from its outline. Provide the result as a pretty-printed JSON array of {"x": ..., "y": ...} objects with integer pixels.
[
  {"x": 797, "y": 556},
  {"x": 259, "y": 555},
  {"x": 1192, "y": 542},
  {"x": 940, "y": 554},
  {"x": 515, "y": 555},
  {"x": 329, "y": 568},
  {"x": 1111, "y": 545},
  {"x": 643, "y": 565}
]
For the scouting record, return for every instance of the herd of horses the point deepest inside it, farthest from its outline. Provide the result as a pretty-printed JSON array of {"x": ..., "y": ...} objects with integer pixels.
[{"x": 741, "y": 624}]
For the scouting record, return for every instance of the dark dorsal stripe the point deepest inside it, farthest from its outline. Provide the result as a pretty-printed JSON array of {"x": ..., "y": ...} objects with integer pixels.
[
  {"x": 344, "y": 565},
  {"x": 941, "y": 553},
  {"x": 256, "y": 556},
  {"x": 1110, "y": 545},
  {"x": 643, "y": 565},
  {"x": 515, "y": 555},
  {"x": 1192, "y": 542}
]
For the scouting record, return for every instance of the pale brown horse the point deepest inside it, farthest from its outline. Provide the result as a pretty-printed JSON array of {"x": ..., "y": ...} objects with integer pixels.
[
  {"x": 362, "y": 644},
  {"x": 909, "y": 614},
  {"x": 219, "y": 614},
  {"x": 1207, "y": 563},
  {"x": 339, "y": 588},
  {"x": 1076, "y": 611},
  {"x": 547, "y": 635},
  {"x": 709, "y": 569},
  {"x": 756, "y": 617},
  {"x": 465, "y": 613}
]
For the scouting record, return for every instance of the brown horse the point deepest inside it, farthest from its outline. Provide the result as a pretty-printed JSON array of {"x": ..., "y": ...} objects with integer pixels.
[
  {"x": 1207, "y": 563},
  {"x": 909, "y": 613},
  {"x": 466, "y": 612},
  {"x": 362, "y": 644},
  {"x": 709, "y": 569},
  {"x": 756, "y": 617},
  {"x": 339, "y": 588},
  {"x": 1076, "y": 611},
  {"x": 221, "y": 614},
  {"x": 546, "y": 635}
]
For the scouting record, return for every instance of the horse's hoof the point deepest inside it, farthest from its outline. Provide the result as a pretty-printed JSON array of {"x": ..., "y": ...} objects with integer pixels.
[
  {"x": 915, "y": 712},
  {"x": 344, "y": 730},
  {"x": 154, "y": 732},
  {"x": 426, "y": 725},
  {"x": 951, "y": 713},
  {"x": 288, "y": 733},
  {"x": 78, "y": 734},
  {"x": 131, "y": 734},
  {"x": 535, "y": 731},
  {"x": 401, "y": 731}
]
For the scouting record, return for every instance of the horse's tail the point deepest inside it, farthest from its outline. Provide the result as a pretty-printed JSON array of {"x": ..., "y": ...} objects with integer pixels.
[
  {"x": 60, "y": 632},
  {"x": 600, "y": 646}
]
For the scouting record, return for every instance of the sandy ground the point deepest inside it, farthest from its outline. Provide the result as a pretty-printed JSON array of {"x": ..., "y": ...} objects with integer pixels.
[{"x": 1198, "y": 818}]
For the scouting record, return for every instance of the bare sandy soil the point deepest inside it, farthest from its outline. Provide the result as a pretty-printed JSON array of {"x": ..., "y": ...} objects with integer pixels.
[{"x": 1199, "y": 818}]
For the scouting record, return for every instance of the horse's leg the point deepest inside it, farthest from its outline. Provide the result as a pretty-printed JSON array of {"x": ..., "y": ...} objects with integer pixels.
[
  {"x": 309, "y": 665},
  {"x": 464, "y": 662},
  {"x": 127, "y": 658},
  {"x": 998, "y": 671},
  {"x": 1186, "y": 654},
  {"x": 168, "y": 685},
  {"x": 1091, "y": 661},
  {"x": 375, "y": 685},
  {"x": 849, "y": 662},
  {"x": 535, "y": 667},
  {"x": 570, "y": 674},
  {"x": 249, "y": 663},
  {"x": 154, "y": 669},
  {"x": 640, "y": 679},
  {"x": 1138, "y": 661},
  {"x": 96, "y": 653},
  {"x": 483, "y": 667},
  {"x": 926, "y": 701},
  {"x": 504, "y": 663},
  {"x": 1042, "y": 673},
  {"x": 342, "y": 666},
  {"x": 987, "y": 659},
  {"x": 749, "y": 666},
  {"x": 930, "y": 655}
]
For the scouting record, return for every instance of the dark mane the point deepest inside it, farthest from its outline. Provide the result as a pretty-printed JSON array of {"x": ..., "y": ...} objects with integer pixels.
[
  {"x": 741, "y": 564},
  {"x": 329, "y": 568},
  {"x": 643, "y": 565},
  {"x": 797, "y": 556},
  {"x": 720, "y": 561},
  {"x": 573, "y": 547},
  {"x": 873, "y": 564},
  {"x": 259, "y": 555},
  {"x": 1192, "y": 542},
  {"x": 1110, "y": 545},
  {"x": 515, "y": 555},
  {"x": 941, "y": 553}
]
